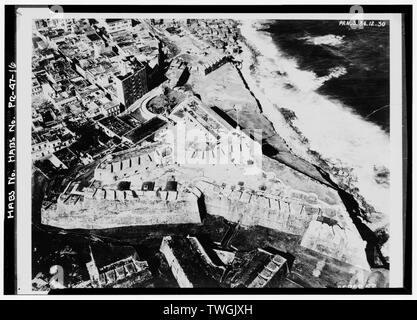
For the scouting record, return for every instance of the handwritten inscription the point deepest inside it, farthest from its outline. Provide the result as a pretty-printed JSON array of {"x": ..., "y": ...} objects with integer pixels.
[{"x": 11, "y": 141}]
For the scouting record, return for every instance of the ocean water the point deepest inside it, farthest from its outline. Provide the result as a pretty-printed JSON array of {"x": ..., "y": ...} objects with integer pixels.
[
  {"x": 358, "y": 58},
  {"x": 335, "y": 81}
]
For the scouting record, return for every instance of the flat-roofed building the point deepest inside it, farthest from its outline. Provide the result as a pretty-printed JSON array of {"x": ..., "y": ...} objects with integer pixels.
[{"x": 115, "y": 26}]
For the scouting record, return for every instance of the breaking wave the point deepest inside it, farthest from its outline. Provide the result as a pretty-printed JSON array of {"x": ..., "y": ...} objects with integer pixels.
[
  {"x": 332, "y": 129},
  {"x": 330, "y": 40}
]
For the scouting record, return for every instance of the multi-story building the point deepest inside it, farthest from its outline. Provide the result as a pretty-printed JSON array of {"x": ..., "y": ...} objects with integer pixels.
[
  {"x": 131, "y": 83},
  {"x": 115, "y": 27}
]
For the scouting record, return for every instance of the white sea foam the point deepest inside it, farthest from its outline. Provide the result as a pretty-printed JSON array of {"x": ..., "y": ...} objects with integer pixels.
[
  {"x": 330, "y": 40},
  {"x": 332, "y": 128},
  {"x": 333, "y": 73}
]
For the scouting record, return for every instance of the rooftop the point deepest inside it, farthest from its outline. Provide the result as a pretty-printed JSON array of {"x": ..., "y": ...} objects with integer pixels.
[
  {"x": 113, "y": 20},
  {"x": 107, "y": 254},
  {"x": 148, "y": 128},
  {"x": 93, "y": 36},
  {"x": 116, "y": 125}
]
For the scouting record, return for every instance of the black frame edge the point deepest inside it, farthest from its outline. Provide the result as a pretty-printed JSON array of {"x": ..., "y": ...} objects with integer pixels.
[
  {"x": 10, "y": 253},
  {"x": 10, "y": 284}
]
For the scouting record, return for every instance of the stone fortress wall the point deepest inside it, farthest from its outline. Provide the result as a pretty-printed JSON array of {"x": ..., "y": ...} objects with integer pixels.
[
  {"x": 174, "y": 264},
  {"x": 122, "y": 167},
  {"x": 108, "y": 208},
  {"x": 250, "y": 208},
  {"x": 323, "y": 228}
]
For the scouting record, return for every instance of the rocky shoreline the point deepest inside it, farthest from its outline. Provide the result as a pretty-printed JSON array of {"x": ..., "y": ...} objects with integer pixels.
[{"x": 340, "y": 177}]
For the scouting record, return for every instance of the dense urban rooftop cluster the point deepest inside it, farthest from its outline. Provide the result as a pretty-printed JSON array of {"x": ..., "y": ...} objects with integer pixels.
[{"x": 84, "y": 72}]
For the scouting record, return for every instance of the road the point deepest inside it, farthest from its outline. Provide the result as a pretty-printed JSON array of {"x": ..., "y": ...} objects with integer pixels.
[{"x": 142, "y": 102}]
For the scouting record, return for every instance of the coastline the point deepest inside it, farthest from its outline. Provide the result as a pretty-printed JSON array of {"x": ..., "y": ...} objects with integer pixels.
[
  {"x": 269, "y": 110},
  {"x": 295, "y": 164},
  {"x": 354, "y": 179},
  {"x": 352, "y": 66}
]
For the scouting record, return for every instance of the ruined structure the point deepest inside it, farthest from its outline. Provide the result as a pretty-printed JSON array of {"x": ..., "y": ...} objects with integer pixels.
[
  {"x": 190, "y": 263},
  {"x": 125, "y": 271},
  {"x": 258, "y": 268}
]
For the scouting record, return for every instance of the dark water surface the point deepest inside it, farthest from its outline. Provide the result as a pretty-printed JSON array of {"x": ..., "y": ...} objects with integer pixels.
[{"x": 364, "y": 53}]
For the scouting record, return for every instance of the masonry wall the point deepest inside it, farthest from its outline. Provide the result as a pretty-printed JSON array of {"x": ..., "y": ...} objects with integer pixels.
[
  {"x": 342, "y": 244},
  {"x": 149, "y": 209},
  {"x": 338, "y": 238},
  {"x": 130, "y": 166},
  {"x": 176, "y": 268},
  {"x": 289, "y": 217}
]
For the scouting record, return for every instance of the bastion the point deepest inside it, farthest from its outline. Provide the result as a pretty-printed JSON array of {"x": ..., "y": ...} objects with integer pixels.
[{"x": 108, "y": 208}]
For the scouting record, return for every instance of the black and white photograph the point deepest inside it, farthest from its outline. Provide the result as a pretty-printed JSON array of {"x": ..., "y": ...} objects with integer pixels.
[{"x": 161, "y": 150}]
